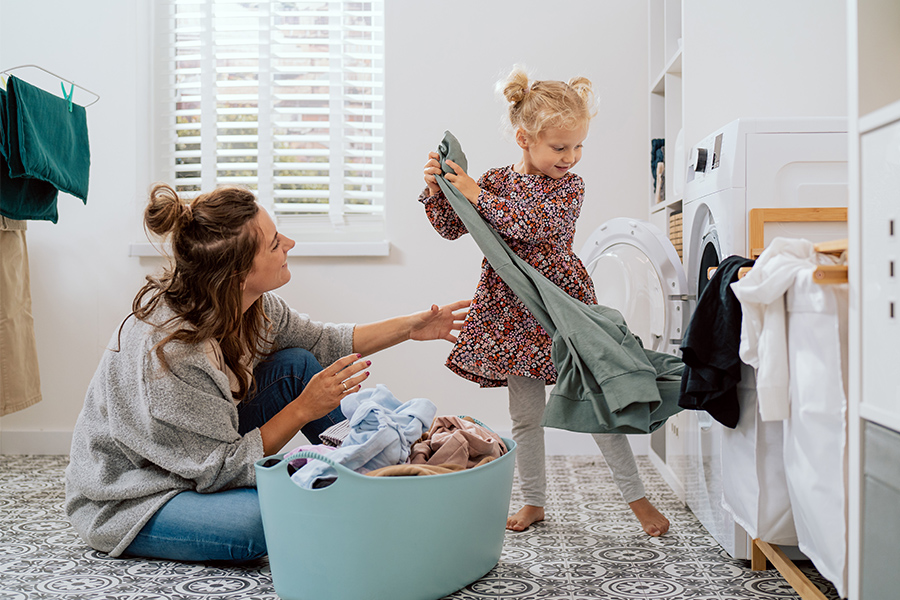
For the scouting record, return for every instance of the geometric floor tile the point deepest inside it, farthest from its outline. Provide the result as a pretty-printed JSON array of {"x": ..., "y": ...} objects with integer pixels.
[{"x": 590, "y": 546}]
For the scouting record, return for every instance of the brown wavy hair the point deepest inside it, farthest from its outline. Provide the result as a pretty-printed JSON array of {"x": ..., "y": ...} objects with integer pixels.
[{"x": 213, "y": 243}]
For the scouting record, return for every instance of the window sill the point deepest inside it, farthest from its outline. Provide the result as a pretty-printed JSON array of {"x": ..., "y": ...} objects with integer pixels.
[{"x": 380, "y": 248}]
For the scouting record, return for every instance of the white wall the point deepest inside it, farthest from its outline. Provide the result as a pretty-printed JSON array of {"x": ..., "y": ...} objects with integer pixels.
[
  {"x": 766, "y": 58},
  {"x": 442, "y": 62}
]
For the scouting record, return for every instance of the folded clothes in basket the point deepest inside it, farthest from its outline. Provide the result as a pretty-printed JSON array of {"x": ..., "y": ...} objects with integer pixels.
[{"x": 382, "y": 431}]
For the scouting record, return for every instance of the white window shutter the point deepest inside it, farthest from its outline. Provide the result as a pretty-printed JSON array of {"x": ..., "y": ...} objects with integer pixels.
[{"x": 286, "y": 98}]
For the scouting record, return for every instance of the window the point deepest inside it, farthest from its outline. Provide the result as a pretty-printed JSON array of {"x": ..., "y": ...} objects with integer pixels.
[{"x": 286, "y": 98}]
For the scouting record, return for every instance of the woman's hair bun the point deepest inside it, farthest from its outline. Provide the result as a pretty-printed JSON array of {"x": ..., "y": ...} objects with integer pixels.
[{"x": 165, "y": 211}]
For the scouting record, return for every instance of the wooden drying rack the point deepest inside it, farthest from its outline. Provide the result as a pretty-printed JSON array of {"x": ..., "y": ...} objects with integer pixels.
[
  {"x": 758, "y": 218},
  {"x": 764, "y": 552}
]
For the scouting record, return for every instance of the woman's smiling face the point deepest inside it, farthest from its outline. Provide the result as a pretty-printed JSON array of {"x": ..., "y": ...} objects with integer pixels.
[{"x": 270, "y": 269}]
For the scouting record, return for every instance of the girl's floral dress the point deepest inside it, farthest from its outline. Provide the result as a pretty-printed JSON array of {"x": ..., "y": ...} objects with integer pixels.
[{"x": 535, "y": 215}]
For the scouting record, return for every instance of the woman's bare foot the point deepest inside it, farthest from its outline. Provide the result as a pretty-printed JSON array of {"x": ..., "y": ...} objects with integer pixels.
[
  {"x": 652, "y": 521},
  {"x": 525, "y": 518}
]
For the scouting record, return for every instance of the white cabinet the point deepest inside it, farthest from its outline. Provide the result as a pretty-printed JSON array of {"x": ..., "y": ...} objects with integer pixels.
[
  {"x": 874, "y": 412},
  {"x": 873, "y": 57},
  {"x": 880, "y": 271}
]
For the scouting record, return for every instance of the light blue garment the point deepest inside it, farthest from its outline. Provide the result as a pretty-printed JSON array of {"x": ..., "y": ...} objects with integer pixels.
[{"x": 381, "y": 433}]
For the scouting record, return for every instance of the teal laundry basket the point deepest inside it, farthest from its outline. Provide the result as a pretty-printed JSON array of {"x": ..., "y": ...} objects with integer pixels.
[{"x": 383, "y": 538}]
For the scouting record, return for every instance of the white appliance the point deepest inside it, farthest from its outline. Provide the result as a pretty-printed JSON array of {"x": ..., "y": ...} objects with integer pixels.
[
  {"x": 636, "y": 271},
  {"x": 749, "y": 163}
]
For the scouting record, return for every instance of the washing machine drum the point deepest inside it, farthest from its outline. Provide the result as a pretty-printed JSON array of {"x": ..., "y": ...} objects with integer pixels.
[{"x": 636, "y": 270}]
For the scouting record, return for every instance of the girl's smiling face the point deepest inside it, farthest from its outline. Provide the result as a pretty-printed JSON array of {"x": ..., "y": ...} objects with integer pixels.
[{"x": 553, "y": 153}]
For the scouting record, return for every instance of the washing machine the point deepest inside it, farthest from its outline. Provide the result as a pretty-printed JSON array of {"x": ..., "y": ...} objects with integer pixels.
[
  {"x": 636, "y": 270},
  {"x": 749, "y": 163}
]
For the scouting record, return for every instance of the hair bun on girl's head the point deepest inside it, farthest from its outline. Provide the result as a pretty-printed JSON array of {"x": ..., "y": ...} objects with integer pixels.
[
  {"x": 583, "y": 87},
  {"x": 515, "y": 87}
]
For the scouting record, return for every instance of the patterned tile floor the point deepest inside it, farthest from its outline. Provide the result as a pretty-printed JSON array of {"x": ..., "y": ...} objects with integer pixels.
[{"x": 589, "y": 547}]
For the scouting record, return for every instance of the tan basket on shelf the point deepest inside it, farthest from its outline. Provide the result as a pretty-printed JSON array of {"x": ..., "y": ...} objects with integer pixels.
[{"x": 675, "y": 233}]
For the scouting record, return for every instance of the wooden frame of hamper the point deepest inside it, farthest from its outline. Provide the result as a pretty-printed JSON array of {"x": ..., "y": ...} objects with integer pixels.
[
  {"x": 758, "y": 218},
  {"x": 763, "y": 552}
]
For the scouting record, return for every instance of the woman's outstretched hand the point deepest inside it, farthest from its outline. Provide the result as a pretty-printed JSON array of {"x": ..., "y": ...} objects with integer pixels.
[{"x": 439, "y": 323}]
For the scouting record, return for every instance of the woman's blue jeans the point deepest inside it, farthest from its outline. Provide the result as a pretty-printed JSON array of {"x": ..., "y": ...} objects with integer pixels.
[{"x": 226, "y": 525}]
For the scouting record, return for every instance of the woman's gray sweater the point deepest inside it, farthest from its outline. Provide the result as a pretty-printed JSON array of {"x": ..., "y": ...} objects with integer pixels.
[{"x": 145, "y": 434}]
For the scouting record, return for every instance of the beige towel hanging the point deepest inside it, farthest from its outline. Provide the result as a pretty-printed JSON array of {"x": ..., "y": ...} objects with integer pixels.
[{"x": 20, "y": 379}]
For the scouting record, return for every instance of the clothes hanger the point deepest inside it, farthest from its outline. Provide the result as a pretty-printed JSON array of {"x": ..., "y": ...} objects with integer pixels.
[{"x": 72, "y": 83}]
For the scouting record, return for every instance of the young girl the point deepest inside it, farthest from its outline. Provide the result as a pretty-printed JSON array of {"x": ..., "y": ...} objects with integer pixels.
[{"x": 533, "y": 204}]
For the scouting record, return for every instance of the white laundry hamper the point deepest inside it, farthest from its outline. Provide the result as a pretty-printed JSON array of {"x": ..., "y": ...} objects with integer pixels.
[
  {"x": 383, "y": 538},
  {"x": 754, "y": 484}
]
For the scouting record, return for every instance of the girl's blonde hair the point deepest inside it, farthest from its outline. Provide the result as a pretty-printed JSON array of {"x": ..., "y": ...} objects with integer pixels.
[{"x": 536, "y": 106}]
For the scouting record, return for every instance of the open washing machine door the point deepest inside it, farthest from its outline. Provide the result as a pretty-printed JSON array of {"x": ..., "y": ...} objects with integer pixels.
[{"x": 636, "y": 270}]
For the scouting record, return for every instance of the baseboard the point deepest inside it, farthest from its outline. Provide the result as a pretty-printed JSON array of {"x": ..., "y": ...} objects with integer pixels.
[
  {"x": 35, "y": 442},
  {"x": 668, "y": 475},
  {"x": 558, "y": 441}
]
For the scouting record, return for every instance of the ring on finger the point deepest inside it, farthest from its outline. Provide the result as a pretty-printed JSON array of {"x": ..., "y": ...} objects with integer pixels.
[{"x": 344, "y": 385}]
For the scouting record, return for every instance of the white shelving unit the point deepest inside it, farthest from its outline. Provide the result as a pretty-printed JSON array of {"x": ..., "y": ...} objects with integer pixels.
[
  {"x": 666, "y": 122},
  {"x": 666, "y": 106}
]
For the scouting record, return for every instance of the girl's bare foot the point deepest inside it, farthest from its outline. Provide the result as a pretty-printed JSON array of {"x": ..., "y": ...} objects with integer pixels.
[
  {"x": 652, "y": 521},
  {"x": 525, "y": 518}
]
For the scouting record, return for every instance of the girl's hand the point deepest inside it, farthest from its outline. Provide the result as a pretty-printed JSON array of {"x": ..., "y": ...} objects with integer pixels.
[
  {"x": 326, "y": 388},
  {"x": 465, "y": 184},
  {"x": 439, "y": 323},
  {"x": 432, "y": 168}
]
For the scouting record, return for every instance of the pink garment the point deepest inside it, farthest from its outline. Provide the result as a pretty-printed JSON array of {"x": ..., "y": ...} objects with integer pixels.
[{"x": 457, "y": 441}]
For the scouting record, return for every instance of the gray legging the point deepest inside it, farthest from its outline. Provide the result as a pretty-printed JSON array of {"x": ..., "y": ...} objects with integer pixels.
[{"x": 527, "y": 399}]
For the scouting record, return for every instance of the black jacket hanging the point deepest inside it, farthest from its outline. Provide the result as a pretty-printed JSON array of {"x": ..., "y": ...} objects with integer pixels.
[{"x": 710, "y": 347}]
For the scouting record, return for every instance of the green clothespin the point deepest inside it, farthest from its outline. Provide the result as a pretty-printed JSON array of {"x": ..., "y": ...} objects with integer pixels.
[{"x": 68, "y": 96}]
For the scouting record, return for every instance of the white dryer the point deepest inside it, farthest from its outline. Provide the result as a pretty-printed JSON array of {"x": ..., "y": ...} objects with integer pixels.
[{"x": 749, "y": 163}]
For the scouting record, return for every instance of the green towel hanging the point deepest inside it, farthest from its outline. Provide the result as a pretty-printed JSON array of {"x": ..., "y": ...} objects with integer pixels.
[{"x": 45, "y": 148}]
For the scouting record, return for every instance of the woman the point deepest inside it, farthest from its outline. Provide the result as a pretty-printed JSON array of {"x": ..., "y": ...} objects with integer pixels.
[{"x": 210, "y": 373}]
